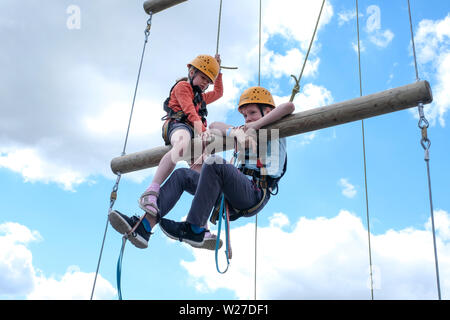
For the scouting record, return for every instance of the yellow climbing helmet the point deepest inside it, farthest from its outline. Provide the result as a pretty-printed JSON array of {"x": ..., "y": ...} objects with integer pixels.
[
  {"x": 206, "y": 64},
  {"x": 256, "y": 95}
]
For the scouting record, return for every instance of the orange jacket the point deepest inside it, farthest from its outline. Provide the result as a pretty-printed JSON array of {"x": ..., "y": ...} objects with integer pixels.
[{"x": 182, "y": 96}]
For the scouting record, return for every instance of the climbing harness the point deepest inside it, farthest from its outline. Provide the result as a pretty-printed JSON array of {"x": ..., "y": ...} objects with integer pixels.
[
  {"x": 180, "y": 116},
  {"x": 224, "y": 211},
  {"x": 425, "y": 143}
]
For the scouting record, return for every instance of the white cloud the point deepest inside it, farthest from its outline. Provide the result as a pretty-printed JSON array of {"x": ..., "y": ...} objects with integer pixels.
[
  {"x": 327, "y": 258},
  {"x": 362, "y": 47},
  {"x": 432, "y": 40},
  {"x": 442, "y": 224},
  {"x": 303, "y": 139},
  {"x": 279, "y": 65},
  {"x": 345, "y": 16},
  {"x": 278, "y": 220},
  {"x": 34, "y": 168},
  {"x": 310, "y": 96},
  {"x": 18, "y": 276},
  {"x": 298, "y": 21},
  {"x": 348, "y": 190},
  {"x": 382, "y": 39},
  {"x": 73, "y": 285}
]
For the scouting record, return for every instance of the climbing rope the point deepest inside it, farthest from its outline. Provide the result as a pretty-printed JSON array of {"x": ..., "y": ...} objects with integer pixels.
[
  {"x": 364, "y": 157},
  {"x": 119, "y": 268},
  {"x": 218, "y": 27},
  {"x": 426, "y": 143},
  {"x": 113, "y": 196},
  {"x": 218, "y": 35},
  {"x": 224, "y": 213},
  {"x": 259, "y": 84},
  {"x": 112, "y": 199},
  {"x": 296, "y": 88}
]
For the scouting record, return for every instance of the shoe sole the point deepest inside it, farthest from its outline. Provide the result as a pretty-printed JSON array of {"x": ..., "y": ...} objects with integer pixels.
[
  {"x": 190, "y": 242},
  {"x": 138, "y": 241},
  {"x": 210, "y": 244},
  {"x": 122, "y": 226}
]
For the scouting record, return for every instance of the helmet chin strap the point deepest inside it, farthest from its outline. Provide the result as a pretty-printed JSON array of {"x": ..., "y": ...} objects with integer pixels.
[
  {"x": 260, "y": 107},
  {"x": 197, "y": 92}
]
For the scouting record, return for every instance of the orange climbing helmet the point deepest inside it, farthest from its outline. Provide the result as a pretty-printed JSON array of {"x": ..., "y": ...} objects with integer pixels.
[
  {"x": 206, "y": 64},
  {"x": 257, "y": 95}
]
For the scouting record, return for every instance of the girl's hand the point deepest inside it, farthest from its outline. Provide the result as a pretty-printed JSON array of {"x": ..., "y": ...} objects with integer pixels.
[
  {"x": 206, "y": 136},
  {"x": 217, "y": 56}
]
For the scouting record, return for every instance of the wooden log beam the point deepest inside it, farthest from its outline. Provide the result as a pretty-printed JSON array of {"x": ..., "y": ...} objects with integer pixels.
[
  {"x": 155, "y": 6},
  {"x": 364, "y": 107}
]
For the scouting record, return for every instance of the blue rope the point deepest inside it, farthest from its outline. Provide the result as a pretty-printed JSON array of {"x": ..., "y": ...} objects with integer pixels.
[
  {"x": 119, "y": 268},
  {"x": 222, "y": 213}
]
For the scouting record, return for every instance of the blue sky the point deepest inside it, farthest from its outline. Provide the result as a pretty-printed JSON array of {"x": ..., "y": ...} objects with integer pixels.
[{"x": 68, "y": 75}]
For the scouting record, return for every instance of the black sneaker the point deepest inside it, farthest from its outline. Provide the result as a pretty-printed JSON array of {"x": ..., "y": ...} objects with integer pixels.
[
  {"x": 182, "y": 231},
  {"x": 124, "y": 224}
]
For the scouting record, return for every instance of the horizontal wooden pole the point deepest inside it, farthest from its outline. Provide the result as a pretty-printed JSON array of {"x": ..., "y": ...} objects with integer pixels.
[
  {"x": 155, "y": 6},
  {"x": 364, "y": 107}
]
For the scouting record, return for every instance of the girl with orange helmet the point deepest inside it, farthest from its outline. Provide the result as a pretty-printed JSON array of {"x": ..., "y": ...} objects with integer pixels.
[{"x": 186, "y": 117}]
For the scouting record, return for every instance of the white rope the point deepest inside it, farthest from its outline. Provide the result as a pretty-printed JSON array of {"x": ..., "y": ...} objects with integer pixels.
[
  {"x": 116, "y": 185},
  {"x": 425, "y": 142},
  {"x": 364, "y": 157}
]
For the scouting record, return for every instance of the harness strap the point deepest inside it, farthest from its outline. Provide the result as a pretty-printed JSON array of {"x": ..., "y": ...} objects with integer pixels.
[
  {"x": 262, "y": 184},
  {"x": 180, "y": 115},
  {"x": 165, "y": 128}
]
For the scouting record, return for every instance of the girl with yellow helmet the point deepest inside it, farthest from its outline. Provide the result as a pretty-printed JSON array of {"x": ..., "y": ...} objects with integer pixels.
[{"x": 186, "y": 116}]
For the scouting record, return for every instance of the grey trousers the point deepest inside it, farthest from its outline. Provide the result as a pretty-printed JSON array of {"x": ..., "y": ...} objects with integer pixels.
[{"x": 215, "y": 178}]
